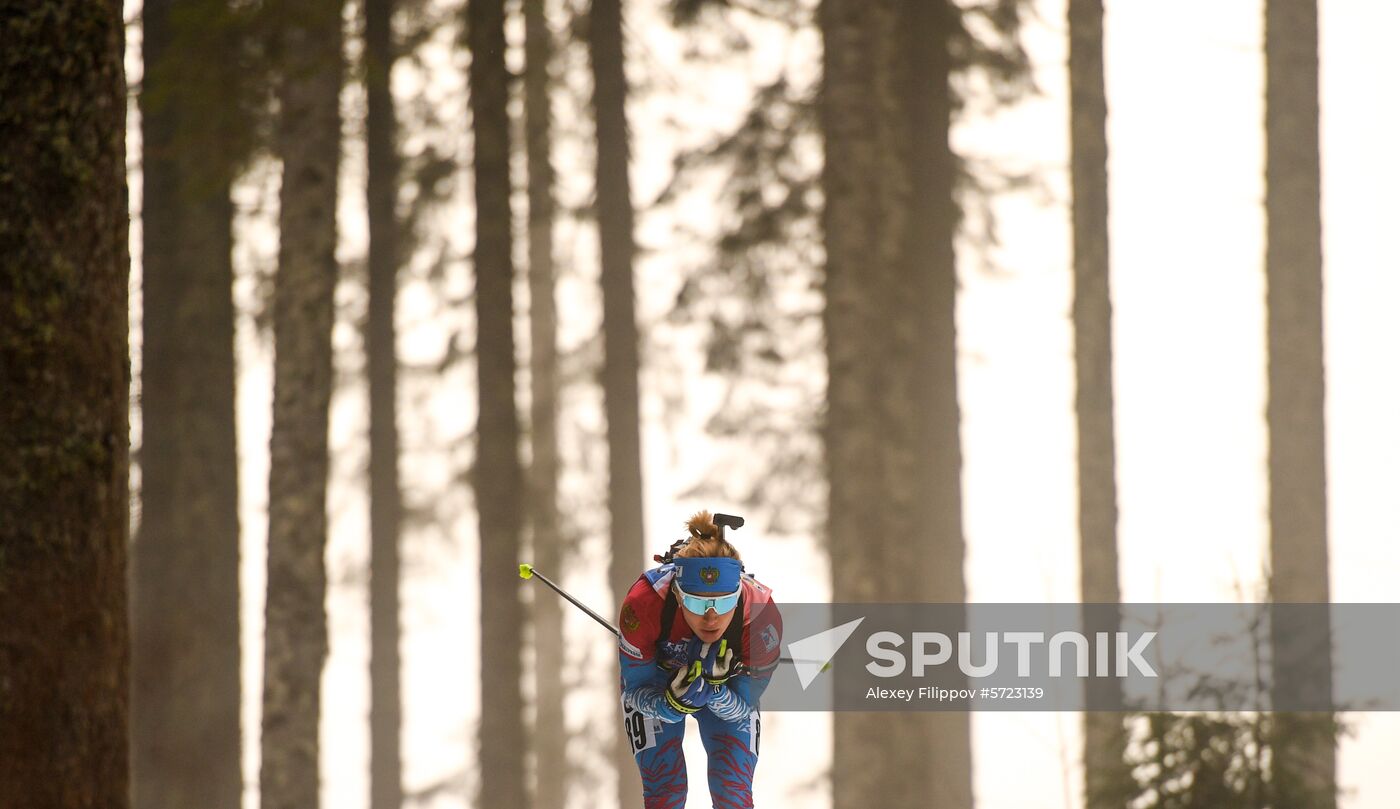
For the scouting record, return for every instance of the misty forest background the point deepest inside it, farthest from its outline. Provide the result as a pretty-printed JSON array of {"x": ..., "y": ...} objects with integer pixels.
[{"x": 423, "y": 217}]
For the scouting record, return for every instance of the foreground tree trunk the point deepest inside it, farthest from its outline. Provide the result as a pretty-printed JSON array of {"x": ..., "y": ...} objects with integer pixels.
[
  {"x": 303, "y": 314},
  {"x": 63, "y": 418},
  {"x": 893, "y": 455},
  {"x": 381, "y": 135},
  {"x": 186, "y": 731},
  {"x": 1304, "y": 752},
  {"x": 621, "y": 365},
  {"x": 497, "y": 477},
  {"x": 1108, "y": 781},
  {"x": 543, "y": 476}
]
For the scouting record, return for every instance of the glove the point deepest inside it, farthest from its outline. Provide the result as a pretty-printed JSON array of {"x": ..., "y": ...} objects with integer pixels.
[
  {"x": 718, "y": 663},
  {"x": 688, "y": 691}
]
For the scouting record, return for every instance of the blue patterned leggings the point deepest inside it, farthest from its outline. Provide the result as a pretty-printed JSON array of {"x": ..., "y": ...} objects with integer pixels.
[{"x": 732, "y": 748}]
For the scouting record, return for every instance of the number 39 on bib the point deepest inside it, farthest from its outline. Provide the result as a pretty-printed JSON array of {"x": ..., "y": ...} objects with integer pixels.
[{"x": 641, "y": 729}]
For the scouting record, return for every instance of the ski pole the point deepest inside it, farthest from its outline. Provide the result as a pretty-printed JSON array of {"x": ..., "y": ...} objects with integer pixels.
[{"x": 527, "y": 571}]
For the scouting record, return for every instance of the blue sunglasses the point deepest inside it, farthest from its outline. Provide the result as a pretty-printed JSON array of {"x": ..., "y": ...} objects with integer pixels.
[{"x": 700, "y": 604}]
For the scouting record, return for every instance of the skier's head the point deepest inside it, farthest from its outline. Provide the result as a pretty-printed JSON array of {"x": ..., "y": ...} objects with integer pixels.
[{"x": 707, "y": 578}]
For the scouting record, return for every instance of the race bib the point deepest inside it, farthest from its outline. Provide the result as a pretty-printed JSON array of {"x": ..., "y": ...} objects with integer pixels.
[{"x": 641, "y": 729}]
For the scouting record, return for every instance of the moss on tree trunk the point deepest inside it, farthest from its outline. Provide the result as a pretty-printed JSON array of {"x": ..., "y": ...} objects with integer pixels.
[{"x": 63, "y": 408}]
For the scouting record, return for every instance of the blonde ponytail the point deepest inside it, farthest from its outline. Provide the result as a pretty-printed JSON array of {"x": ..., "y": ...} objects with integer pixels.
[{"x": 705, "y": 539}]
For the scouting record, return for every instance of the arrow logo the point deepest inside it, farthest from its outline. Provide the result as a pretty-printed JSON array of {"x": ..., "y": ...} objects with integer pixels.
[{"x": 812, "y": 654}]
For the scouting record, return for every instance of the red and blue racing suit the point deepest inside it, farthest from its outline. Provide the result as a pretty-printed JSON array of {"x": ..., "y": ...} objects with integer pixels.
[{"x": 649, "y": 655}]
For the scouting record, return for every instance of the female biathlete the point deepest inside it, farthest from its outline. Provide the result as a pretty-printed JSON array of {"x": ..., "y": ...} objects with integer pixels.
[{"x": 698, "y": 637}]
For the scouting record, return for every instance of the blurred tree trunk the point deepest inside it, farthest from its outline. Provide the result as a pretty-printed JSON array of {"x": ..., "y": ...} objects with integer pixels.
[
  {"x": 186, "y": 736},
  {"x": 381, "y": 136},
  {"x": 63, "y": 419},
  {"x": 308, "y": 138},
  {"x": 893, "y": 454},
  {"x": 497, "y": 476},
  {"x": 551, "y": 772},
  {"x": 621, "y": 366},
  {"x": 1304, "y": 763},
  {"x": 1108, "y": 781}
]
